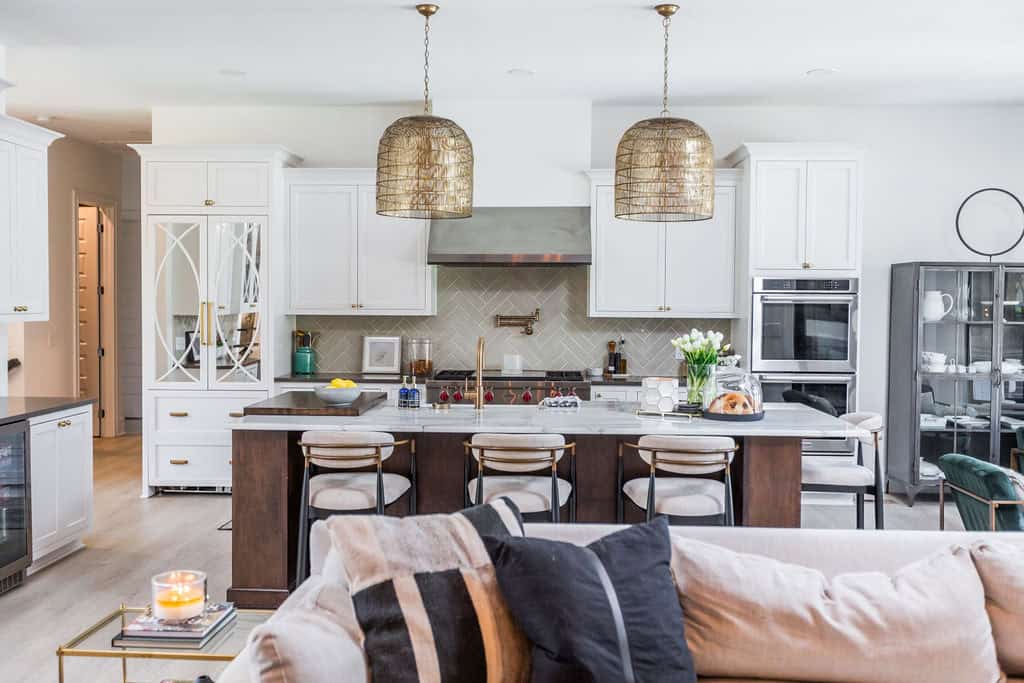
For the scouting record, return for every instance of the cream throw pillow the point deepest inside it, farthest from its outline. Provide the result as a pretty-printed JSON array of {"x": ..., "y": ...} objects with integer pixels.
[
  {"x": 753, "y": 617},
  {"x": 1001, "y": 568}
]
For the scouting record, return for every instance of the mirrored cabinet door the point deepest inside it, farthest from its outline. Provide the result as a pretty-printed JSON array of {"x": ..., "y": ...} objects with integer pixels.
[
  {"x": 235, "y": 293},
  {"x": 176, "y": 304}
]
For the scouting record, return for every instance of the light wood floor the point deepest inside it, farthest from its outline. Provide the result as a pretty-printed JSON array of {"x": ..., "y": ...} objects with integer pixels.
[{"x": 134, "y": 538}]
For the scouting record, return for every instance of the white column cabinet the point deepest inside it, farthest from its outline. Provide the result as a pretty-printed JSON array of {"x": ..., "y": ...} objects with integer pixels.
[
  {"x": 24, "y": 221},
  {"x": 345, "y": 259},
  {"x": 663, "y": 270},
  {"x": 60, "y": 449},
  {"x": 213, "y": 244},
  {"x": 804, "y": 207}
]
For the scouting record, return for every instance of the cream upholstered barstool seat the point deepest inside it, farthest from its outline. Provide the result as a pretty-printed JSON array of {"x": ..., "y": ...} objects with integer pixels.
[
  {"x": 690, "y": 496},
  {"x": 515, "y": 456},
  {"x": 841, "y": 475},
  {"x": 344, "y": 474}
]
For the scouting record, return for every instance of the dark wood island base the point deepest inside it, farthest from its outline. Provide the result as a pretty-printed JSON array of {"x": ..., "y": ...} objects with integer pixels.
[{"x": 267, "y": 481}]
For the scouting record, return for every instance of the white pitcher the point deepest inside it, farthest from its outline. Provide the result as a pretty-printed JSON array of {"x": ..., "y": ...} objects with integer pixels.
[{"x": 934, "y": 307}]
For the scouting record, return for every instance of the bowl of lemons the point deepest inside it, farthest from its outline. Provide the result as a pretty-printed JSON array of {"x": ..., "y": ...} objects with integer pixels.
[{"x": 338, "y": 392}]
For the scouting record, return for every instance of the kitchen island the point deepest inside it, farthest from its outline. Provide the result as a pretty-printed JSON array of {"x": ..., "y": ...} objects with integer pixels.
[{"x": 267, "y": 469}]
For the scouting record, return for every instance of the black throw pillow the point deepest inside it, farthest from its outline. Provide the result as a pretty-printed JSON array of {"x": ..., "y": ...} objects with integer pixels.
[{"x": 605, "y": 612}]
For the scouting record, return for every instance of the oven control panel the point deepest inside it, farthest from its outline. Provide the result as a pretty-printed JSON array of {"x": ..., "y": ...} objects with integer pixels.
[{"x": 764, "y": 284}]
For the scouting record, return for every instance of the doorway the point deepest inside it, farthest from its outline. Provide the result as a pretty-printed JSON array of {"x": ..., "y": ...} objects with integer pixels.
[{"x": 96, "y": 376}]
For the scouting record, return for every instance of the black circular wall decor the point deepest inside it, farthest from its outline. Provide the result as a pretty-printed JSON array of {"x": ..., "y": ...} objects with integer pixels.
[{"x": 959, "y": 212}]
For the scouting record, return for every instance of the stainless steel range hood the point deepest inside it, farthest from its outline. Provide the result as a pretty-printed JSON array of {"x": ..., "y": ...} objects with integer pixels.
[{"x": 513, "y": 236}]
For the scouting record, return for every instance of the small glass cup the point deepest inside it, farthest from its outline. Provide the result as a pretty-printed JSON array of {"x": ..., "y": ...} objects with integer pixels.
[{"x": 178, "y": 595}]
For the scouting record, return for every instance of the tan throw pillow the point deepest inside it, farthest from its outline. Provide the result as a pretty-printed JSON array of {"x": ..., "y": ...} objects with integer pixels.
[
  {"x": 426, "y": 596},
  {"x": 1001, "y": 568},
  {"x": 754, "y": 617}
]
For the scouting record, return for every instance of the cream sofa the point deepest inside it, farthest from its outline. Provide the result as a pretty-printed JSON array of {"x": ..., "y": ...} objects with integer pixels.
[{"x": 829, "y": 551}]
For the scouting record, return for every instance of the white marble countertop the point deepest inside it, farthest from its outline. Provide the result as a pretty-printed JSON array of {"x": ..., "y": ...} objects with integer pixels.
[{"x": 781, "y": 419}]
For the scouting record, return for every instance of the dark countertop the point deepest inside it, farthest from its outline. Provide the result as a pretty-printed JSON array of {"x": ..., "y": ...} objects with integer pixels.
[
  {"x": 307, "y": 403},
  {"x": 15, "y": 408},
  {"x": 326, "y": 377}
]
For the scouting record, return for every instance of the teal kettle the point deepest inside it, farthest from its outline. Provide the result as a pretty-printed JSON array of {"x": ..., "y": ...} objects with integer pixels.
[{"x": 304, "y": 355}]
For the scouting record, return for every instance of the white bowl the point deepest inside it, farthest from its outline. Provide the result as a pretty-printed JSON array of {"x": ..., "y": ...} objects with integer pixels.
[{"x": 333, "y": 396}]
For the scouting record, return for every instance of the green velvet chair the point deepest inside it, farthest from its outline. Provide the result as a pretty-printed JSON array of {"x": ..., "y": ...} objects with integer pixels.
[{"x": 985, "y": 497}]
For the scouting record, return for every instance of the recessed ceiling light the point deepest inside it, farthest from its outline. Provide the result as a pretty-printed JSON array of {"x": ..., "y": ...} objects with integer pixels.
[
  {"x": 521, "y": 72},
  {"x": 822, "y": 72},
  {"x": 232, "y": 73}
]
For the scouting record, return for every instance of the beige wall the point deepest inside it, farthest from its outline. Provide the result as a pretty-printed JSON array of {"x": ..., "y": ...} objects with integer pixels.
[
  {"x": 49, "y": 347},
  {"x": 129, "y": 287}
]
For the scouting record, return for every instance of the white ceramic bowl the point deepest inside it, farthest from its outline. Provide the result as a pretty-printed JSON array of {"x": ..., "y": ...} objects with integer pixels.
[{"x": 335, "y": 396}]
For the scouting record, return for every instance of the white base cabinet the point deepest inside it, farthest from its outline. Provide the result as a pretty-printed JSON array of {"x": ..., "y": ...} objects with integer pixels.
[
  {"x": 60, "y": 452},
  {"x": 803, "y": 203},
  {"x": 664, "y": 270}
]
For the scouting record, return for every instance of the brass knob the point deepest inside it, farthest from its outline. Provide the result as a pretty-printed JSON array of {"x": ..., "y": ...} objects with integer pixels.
[
  {"x": 805, "y": 265},
  {"x": 209, "y": 202},
  {"x": 360, "y": 306},
  {"x": 355, "y": 305},
  {"x": 668, "y": 308}
]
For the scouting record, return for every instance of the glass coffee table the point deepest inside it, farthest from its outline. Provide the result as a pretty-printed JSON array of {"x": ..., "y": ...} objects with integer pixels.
[{"x": 95, "y": 641}]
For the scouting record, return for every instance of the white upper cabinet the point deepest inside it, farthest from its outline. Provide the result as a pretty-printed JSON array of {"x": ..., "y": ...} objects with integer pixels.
[
  {"x": 701, "y": 257},
  {"x": 803, "y": 207},
  {"x": 663, "y": 270},
  {"x": 174, "y": 186},
  {"x": 344, "y": 259},
  {"x": 322, "y": 232},
  {"x": 394, "y": 278},
  {"x": 628, "y": 260},
  {"x": 24, "y": 221}
]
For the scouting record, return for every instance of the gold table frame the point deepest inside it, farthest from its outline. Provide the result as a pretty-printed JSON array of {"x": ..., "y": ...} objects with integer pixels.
[{"x": 68, "y": 649}]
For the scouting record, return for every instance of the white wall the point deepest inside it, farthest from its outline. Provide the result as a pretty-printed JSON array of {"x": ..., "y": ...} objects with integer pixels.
[
  {"x": 920, "y": 164},
  {"x": 3, "y": 74},
  {"x": 322, "y": 136},
  {"x": 49, "y": 347},
  {"x": 129, "y": 287}
]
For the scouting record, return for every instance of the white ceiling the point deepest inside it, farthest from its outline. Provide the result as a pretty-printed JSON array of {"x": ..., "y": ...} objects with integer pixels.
[{"x": 98, "y": 66}]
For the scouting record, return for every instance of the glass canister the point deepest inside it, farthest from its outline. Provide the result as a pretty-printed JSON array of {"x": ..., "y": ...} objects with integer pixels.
[
  {"x": 735, "y": 396},
  {"x": 421, "y": 357}
]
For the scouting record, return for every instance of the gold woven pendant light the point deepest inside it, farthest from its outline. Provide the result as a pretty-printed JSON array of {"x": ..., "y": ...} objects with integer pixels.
[
  {"x": 665, "y": 167},
  {"x": 425, "y": 162}
]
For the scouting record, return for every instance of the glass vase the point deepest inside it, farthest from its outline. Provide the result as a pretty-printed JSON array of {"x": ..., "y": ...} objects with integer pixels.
[{"x": 698, "y": 377}]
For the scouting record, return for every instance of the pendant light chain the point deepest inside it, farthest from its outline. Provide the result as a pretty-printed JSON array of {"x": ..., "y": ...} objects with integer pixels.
[
  {"x": 666, "y": 22},
  {"x": 426, "y": 65}
]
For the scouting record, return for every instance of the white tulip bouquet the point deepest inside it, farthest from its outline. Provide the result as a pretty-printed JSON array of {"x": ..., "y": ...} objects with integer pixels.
[{"x": 701, "y": 353}]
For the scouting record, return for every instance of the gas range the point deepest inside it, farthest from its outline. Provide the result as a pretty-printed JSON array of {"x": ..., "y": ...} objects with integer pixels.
[{"x": 527, "y": 386}]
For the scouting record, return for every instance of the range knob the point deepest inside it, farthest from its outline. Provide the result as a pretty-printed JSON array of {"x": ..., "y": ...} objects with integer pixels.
[
  {"x": 489, "y": 396},
  {"x": 443, "y": 396},
  {"x": 527, "y": 397},
  {"x": 457, "y": 396}
]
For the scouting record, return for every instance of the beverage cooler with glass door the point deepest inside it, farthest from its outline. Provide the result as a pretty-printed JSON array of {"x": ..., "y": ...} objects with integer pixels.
[
  {"x": 956, "y": 366},
  {"x": 15, "y": 508}
]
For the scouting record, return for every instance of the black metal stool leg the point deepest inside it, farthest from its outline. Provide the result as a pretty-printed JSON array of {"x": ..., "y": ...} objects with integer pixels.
[
  {"x": 860, "y": 510},
  {"x": 301, "y": 561}
]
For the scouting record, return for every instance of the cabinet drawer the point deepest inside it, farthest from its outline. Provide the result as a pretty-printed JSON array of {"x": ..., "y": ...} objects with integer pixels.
[
  {"x": 199, "y": 413},
  {"x": 602, "y": 394},
  {"x": 193, "y": 464}
]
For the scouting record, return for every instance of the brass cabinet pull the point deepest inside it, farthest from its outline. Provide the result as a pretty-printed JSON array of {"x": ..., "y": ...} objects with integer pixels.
[
  {"x": 235, "y": 413},
  {"x": 64, "y": 423},
  {"x": 355, "y": 305},
  {"x": 668, "y": 308},
  {"x": 178, "y": 413},
  {"x": 209, "y": 202},
  {"x": 210, "y": 333},
  {"x": 230, "y": 461},
  {"x": 202, "y": 323},
  {"x": 21, "y": 309},
  {"x": 360, "y": 306},
  {"x": 805, "y": 265},
  {"x": 179, "y": 461}
]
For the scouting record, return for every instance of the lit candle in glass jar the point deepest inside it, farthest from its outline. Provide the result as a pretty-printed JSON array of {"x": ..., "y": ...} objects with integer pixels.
[{"x": 178, "y": 595}]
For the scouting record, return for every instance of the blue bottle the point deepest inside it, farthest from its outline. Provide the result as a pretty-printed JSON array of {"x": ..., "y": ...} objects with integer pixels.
[
  {"x": 414, "y": 394},
  {"x": 403, "y": 394}
]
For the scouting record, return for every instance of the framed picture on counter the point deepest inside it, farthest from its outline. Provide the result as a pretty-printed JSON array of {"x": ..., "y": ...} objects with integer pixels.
[{"x": 382, "y": 355}]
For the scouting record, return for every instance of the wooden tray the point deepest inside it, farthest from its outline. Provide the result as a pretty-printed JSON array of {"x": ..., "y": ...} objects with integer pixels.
[{"x": 307, "y": 403}]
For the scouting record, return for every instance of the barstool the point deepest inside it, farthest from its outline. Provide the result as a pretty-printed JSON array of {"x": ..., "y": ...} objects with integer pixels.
[
  {"x": 349, "y": 492},
  {"x": 521, "y": 453},
  {"x": 843, "y": 476},
  {"x": 690, "y": 498}
]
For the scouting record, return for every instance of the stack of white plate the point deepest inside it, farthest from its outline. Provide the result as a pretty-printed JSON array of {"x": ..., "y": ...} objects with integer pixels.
[{"x": 659, "y": 394}]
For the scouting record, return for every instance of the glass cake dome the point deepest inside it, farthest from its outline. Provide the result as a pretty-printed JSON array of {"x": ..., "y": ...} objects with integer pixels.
[{"x": 736, "y": 395}]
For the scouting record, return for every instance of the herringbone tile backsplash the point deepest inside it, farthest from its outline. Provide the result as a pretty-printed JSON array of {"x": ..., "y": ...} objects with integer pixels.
[{"x": 469, "y": 298}]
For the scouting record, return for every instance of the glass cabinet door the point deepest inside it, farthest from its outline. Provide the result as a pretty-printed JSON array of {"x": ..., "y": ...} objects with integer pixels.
[
  {"x": 177, "y": 306},
  {"x": 957, "y": 347},
  {"x": 235, "y": 299},
  {"x": 1011, "y": 407}
]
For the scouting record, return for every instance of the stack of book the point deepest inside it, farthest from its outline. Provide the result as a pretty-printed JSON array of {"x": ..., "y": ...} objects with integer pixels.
[{"x": 146, "y": 630}]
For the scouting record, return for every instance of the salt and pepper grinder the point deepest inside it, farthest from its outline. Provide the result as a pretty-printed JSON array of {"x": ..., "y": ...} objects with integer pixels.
[
  {"x": 613, "y": 361},
  {"x": 621, "y": 369}
]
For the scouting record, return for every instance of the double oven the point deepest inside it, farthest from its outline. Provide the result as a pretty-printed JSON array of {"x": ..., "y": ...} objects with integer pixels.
[{"x": 804, "y": 341}]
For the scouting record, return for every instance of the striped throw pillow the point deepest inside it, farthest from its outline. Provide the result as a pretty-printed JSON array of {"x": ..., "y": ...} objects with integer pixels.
[{"x": 426, "y": 597}]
